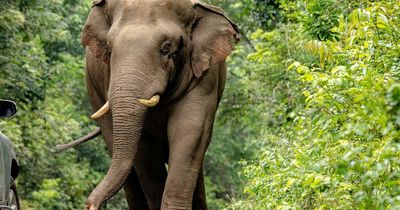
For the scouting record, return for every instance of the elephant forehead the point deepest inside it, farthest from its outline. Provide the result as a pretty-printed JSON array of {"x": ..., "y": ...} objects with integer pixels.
[{"x": 152, "y": 10}]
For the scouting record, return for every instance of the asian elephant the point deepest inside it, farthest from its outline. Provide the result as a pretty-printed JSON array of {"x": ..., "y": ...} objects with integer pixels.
[{"x": 155, "y": 70}]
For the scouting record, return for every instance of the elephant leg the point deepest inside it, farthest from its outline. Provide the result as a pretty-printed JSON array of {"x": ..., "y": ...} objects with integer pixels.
[
  {"x": 199, "y": 195},
  {"x": 150, "y": 167},
  {"x": 134, "y": 194},
  {"x": 189, "y": 133}
]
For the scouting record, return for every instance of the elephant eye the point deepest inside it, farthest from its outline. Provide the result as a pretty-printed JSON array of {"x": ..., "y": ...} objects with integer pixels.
[{"x": 166, "y": 48}]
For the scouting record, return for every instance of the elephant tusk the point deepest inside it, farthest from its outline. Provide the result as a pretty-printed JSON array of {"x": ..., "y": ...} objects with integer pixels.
[
  {"x": 101, "y": 111},
  {"x": 150, "y": 103}
]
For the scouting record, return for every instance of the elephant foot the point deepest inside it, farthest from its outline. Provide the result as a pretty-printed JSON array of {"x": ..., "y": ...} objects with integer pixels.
[{"x": 176, "y": 205}]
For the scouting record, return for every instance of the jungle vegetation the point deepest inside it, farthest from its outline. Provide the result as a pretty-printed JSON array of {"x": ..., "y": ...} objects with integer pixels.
[{"x": 310, "y": 117}]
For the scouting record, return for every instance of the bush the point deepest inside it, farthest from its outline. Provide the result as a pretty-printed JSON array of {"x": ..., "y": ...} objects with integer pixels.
[{"x": 343, "y": 147}]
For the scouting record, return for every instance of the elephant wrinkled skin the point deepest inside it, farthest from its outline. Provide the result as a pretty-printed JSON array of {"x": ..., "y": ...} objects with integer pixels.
[{"x": 160, "y": 67}]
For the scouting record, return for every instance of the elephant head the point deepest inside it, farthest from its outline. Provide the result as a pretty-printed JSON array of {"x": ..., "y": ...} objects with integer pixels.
[{"x": 148, "y": 46}]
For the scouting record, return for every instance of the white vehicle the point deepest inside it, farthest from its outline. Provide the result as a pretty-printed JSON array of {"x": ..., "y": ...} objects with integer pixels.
[{"x": 8, "y": 163}]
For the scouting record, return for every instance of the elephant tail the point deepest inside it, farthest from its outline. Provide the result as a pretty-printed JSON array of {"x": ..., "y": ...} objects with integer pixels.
[{"x": 93, "y": 134}]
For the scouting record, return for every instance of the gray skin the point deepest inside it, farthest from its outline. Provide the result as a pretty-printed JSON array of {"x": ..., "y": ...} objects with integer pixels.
[{"x": 140, "y": 48}]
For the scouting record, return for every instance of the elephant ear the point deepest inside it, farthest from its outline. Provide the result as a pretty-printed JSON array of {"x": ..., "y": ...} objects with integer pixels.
[
  {"x": 213, "y": 34},
  {"x": 95, "y": 32}
]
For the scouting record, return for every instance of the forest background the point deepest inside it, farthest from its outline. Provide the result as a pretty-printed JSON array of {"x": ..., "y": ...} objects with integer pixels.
[{"x": 310, "y": 117}]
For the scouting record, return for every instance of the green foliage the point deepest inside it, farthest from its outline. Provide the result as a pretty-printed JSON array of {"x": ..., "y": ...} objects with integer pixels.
[
  {"x": 342, "y": 149},
  {"x": 321, "y": 17},
  {"x": 268, "y": 13}
]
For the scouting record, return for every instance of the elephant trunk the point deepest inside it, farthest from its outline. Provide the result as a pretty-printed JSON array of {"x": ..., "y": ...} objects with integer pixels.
[{"x": 128, "y": 117}]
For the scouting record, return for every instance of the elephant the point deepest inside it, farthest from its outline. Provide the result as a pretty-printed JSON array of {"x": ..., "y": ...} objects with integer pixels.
[{"x": 156, "y": 71}]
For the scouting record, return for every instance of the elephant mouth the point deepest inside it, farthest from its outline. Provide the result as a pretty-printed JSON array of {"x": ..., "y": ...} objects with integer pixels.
[{"x": 152, "y": 102}]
